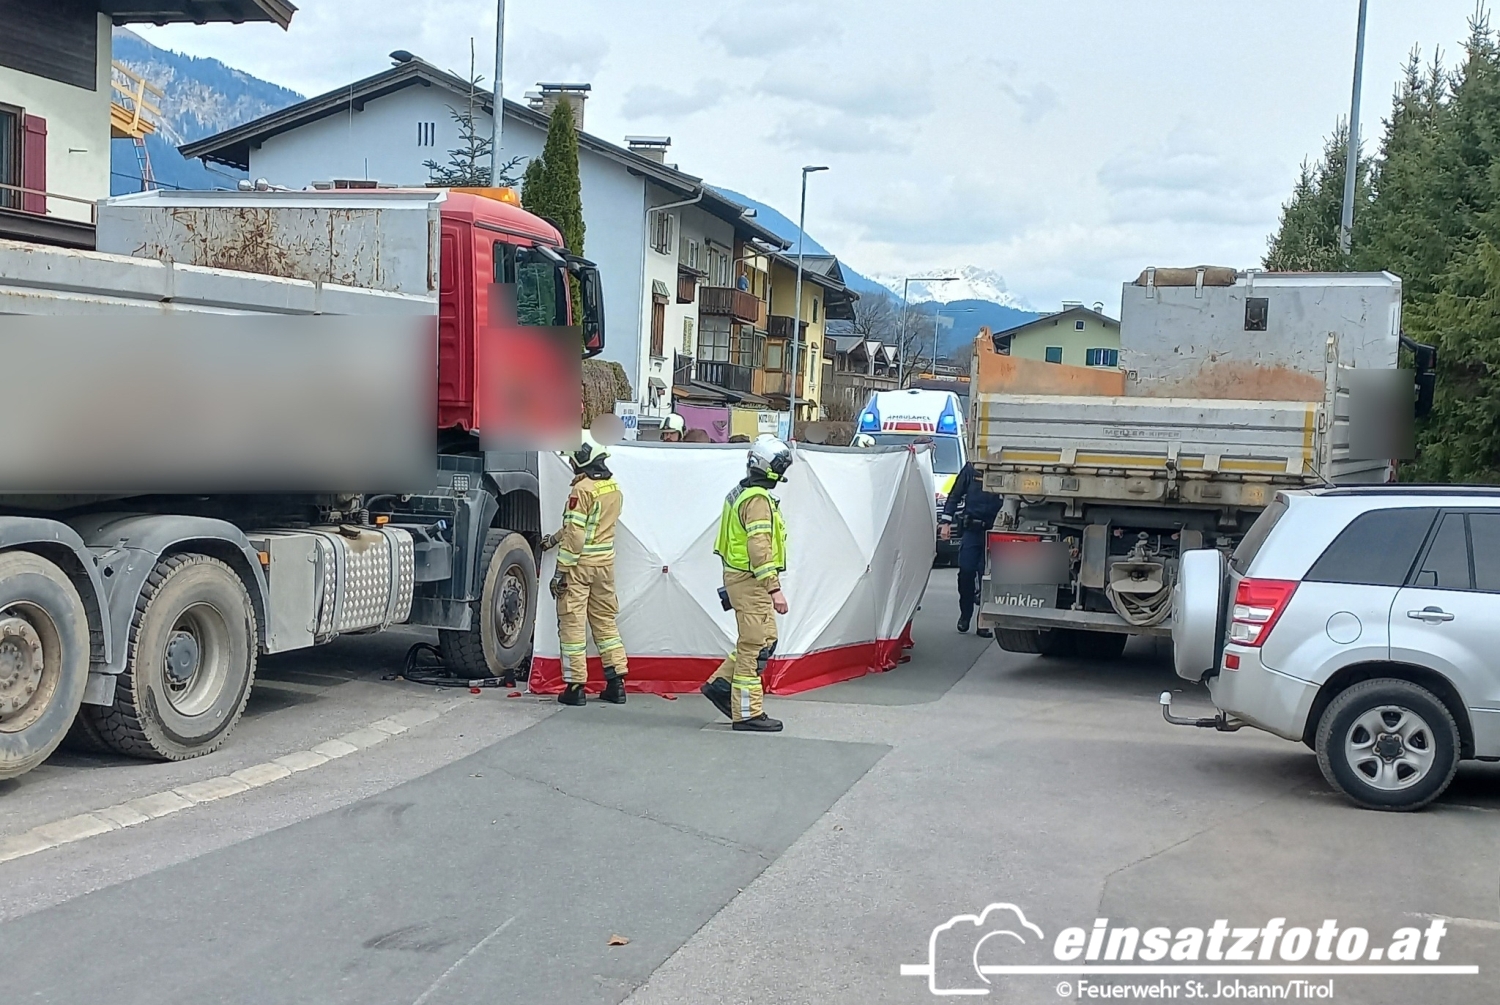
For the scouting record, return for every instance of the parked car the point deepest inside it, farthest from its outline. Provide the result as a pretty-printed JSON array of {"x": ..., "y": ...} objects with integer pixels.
[{"x": 1364, "y": 622}]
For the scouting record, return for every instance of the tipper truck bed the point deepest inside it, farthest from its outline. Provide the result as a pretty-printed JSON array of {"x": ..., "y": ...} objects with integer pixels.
[{"x": 1237, "y": 384}]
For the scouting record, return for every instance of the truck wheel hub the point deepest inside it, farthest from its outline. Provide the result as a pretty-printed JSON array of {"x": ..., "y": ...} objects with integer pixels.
[
  {"x": 21, "y": 662},
  {"x": 510, "y": 608},
  {"x": 1389, "y": 746},
  {"x": 183, "y": 658}
]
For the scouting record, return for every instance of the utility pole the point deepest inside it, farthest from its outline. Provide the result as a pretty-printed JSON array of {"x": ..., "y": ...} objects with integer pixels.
[
  {"x": 1351, "y": 156},
  {"x": 791, "y": 422},
  {"x": 498, "y": 116}
]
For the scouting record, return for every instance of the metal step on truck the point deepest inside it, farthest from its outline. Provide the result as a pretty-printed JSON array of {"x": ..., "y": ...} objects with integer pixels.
[
  {"x": 256, "y": 421},
  {"x": 1235, "y": 385}
]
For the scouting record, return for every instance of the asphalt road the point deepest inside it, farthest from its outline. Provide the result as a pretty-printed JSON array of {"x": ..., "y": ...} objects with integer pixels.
[{"x": 491, "y": 854}]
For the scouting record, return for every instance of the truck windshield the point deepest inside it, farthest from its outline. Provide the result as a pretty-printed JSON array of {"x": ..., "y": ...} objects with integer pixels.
[
  {"x": 946, "y": 458},
  {"x": 541, "y": 290}
]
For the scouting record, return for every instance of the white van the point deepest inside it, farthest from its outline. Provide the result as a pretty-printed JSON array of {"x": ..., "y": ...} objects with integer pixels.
[{"x": 900, "y": 417}]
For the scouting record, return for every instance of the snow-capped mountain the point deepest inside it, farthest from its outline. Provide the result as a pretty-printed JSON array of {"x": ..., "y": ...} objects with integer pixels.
[{"x": 969, "y": 283}]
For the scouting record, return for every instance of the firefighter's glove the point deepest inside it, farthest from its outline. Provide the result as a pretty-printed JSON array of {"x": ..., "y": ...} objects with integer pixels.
[
  {"x": 559, "y": 584},
  {"x": 550, "y": 541}
]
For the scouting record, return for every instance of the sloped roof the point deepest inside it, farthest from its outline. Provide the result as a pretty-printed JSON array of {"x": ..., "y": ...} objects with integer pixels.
[
  {"x": 1045, "y": 319},
  {"x": 232, "y": 146},
  {"x": 197, "y": 11}
]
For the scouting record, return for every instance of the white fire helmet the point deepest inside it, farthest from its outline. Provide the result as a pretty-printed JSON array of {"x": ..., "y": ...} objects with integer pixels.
[{"x": 770, "y": 457}]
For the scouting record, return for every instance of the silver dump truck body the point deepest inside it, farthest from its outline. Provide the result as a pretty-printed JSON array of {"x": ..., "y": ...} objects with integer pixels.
[{"x": 1236, "y": 384}]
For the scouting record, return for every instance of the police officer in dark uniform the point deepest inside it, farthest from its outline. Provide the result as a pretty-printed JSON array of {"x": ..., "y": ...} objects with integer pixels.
[{"x": 980, "y": 508}]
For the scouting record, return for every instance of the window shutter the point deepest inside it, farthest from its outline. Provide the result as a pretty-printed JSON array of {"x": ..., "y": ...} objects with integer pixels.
[{"x": 34, "y": 163}]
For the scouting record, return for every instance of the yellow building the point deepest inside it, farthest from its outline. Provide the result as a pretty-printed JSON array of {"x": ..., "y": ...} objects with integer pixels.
[{"x": 825, "y": 297}]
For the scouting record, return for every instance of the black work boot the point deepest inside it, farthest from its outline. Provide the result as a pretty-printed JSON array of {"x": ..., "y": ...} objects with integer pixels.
[
  {"x": 573, "y": 695},
  {"x": 984, "y": 633},
  {"x": 614, "y": 689},
  {"x": 963, "y": 624},
  {"x": 717, "y": 691},
  {"x": 760, "y": 724}
]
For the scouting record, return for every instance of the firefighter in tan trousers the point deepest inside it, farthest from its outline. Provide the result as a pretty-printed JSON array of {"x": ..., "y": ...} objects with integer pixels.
[
  {"x": 752, "y": 546},
  {"x": 584, "y": 584}
]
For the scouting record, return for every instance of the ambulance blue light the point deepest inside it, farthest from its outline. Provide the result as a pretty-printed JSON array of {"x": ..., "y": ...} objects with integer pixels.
[
  {"x": 869, "y": 420},
  {"x": 948, "y": 420}
]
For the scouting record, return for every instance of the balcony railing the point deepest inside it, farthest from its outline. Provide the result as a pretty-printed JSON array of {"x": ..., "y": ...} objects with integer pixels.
[
  {"x": 35, "y": 200},
  {"x": 782, "y": 326},
  {"x": 726, "y": 375},
  {"x": 727, "y": 300}
]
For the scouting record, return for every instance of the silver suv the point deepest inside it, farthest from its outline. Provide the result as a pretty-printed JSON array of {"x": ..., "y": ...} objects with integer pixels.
[{"x": 1364, "y": 622}]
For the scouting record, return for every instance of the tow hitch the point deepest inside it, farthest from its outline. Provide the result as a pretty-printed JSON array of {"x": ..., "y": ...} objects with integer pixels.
[{"x": 1222, "y": 722}]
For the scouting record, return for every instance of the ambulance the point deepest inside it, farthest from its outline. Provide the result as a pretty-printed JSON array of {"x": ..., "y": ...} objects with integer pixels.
[{"x": 902, "y": 417}]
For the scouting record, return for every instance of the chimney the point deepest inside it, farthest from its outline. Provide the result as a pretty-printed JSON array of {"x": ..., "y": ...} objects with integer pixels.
[
  {"x": 549, "y": 96},
  {"x": 653, "y": 148},
  {"x": 1068, "y": 305}
]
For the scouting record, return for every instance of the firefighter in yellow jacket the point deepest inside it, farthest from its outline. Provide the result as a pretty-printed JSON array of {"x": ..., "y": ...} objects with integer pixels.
[
  {"x": 752, "y": 546},
  {"x": 584, "y": 584}
]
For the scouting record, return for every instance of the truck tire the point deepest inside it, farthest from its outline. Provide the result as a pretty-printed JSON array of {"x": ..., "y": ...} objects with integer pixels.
[
  {"x": 189, "y": 667},
  {"x": 1388, "y": 745},
  {"x": 500, "y": 633},
  {"x": 1041, "y": 641},
  {"x": 44, "y": 659},
  {"x": 1099, "y": 645}
]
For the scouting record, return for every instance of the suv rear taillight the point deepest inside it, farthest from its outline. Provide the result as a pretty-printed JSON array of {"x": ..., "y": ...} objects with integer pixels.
[{"x": 1258, "y": 604}]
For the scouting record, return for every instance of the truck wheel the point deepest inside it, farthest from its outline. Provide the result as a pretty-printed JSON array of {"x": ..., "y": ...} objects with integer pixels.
[
  {"x": 499, "y": 636},
  {"x": 1043, "y": 641},
  {"x": 44, "y": 659},
  {"x": 1388, "y": 745},
  {"x": 190, "y": 664},
  {"x": 1099, "y": 645}
]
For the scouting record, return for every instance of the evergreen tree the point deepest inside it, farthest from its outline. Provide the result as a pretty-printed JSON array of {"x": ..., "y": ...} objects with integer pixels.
[
  {"x": 552, "y": 189},
  {"x": 469, "y": 163},
  {"x": 1307, "y": 239},
  {"x": 533, "y": 182}
]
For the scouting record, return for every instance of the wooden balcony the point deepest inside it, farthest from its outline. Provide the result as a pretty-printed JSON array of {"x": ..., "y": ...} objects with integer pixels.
[
  {"x": 727, "y": 300},
  {"x": 782, "y": 326},
  {"x": 777, "y": 382},
  {"x": 726, "y": 375}
]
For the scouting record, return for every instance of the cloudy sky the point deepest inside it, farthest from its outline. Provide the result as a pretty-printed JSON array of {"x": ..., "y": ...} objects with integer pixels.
[{"x": 1064, "y": 144}]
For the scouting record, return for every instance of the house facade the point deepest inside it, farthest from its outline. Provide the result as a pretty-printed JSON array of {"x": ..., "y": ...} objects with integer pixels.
[
  {"x": 56, "y": 103},
  {"x": 1075, "y": 336},
  {"x": 855, "y": 367},
  {"x": 647, "y": 223}
]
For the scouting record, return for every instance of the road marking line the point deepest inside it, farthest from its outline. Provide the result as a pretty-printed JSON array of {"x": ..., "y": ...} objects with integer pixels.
[
  {"x": 73, "y": 828},
  {"x": 301, "y": 760},
  {"x": 333, "y": 749},
  {"x": 261, "y": 774},
  {"x": 460, "y": 961},
  {"x": 160, "y": 804},
  {"x": 1462, "y": 922},
  {"x": 366, "y": 737},
  {"x": 211, "y": 789}
]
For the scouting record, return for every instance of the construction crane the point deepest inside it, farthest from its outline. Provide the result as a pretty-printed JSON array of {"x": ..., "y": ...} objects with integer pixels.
[{"x": 134, "y": 108}]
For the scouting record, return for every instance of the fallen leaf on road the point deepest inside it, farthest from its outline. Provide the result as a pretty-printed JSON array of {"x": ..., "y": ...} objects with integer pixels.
[
  {"x": 670, "y": 697},
  {"x": 618, "y": 940},
  {"x": 514, "y": 694}
]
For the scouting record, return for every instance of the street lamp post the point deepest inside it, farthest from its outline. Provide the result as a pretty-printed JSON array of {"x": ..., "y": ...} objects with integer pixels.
[
  {"x": 901, "y": 338},
  {"x": 1351, "y": 155},
  {"x": 936, "y": 317},
  {"x": 791, "y": 422},
  {"x": 497, "y": 116}
]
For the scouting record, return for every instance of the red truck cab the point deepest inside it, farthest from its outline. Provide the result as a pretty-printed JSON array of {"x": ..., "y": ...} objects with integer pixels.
[{"x": 505, "y": 311}]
